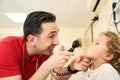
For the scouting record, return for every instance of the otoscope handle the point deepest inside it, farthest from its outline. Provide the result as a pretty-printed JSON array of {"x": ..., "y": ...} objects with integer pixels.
[{"x": 71, "y": 50}]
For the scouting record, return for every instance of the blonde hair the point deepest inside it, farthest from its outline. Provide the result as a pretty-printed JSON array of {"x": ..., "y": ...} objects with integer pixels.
[{"x": 113, "y": 45}]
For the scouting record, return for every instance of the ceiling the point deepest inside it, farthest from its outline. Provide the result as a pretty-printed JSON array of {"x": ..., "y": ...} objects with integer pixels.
[{"x": 69, "y": 13}]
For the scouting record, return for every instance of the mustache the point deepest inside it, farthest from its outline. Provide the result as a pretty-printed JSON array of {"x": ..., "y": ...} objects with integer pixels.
[{"x": 52, "y": 46}]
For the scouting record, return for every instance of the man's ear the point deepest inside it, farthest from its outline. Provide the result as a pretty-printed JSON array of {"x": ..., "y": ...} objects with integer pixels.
[
  {"x": 109, "y": 56},
  {"x": 31, "y": 39}
]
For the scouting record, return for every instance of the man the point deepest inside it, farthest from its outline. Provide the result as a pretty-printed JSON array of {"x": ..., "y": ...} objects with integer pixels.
[{"x": 31, "y": 57}]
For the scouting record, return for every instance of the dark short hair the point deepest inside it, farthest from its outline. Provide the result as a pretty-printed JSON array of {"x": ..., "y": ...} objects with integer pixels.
[{"x": 32, "y": 24}]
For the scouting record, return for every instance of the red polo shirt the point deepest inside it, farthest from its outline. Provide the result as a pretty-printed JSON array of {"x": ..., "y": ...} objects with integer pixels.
[{"x": 14, "y": 59}]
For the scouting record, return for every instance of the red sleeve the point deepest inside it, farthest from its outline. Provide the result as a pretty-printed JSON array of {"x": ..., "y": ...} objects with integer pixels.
[{"x": 9, "y": 65}]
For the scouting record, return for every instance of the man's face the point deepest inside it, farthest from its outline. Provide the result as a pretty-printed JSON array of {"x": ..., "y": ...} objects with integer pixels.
[{"x": 48, "y": 38}]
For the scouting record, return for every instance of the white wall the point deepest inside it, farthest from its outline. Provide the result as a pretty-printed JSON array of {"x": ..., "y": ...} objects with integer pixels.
[{"x": 10, "y": 32}]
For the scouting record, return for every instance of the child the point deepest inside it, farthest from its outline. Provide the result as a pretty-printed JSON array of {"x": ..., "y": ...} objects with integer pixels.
[{"x": 104, "y": 53}]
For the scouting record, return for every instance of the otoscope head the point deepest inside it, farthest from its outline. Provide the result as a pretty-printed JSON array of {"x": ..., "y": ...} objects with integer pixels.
[{"x": 75, "y": 44}]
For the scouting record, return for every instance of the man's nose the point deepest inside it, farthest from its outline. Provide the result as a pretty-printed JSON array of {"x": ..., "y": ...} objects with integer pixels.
[{"x": 56, "y": 41}]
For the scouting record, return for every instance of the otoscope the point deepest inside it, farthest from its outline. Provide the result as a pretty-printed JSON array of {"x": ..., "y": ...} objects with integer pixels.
[{"x": 75, "y": 44}]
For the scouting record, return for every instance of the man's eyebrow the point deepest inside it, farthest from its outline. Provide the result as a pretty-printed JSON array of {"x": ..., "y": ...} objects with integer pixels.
[{"x": 54, "y": 32}]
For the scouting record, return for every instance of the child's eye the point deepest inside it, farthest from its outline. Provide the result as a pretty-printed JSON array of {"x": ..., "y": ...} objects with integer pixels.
[{"x": 97, "y": 43}]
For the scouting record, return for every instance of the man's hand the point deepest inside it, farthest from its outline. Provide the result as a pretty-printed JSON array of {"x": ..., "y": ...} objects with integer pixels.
[
  {"x": 80, "y": 63},
  {"x": 58, "y": 59}
]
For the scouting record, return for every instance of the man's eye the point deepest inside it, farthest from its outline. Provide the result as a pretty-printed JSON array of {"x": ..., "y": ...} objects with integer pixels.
[{"x": 51, "y": 36}]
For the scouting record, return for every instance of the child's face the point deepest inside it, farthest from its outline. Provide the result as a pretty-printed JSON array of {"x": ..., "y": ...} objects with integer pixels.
[{"x": 98, "y": 48}]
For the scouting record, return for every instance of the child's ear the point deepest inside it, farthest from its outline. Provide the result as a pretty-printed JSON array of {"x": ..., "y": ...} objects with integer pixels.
[{"x": 108, "y": 56}]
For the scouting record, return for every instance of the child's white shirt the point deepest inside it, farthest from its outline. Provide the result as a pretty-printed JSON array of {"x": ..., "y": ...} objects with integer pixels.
[{"x": 103, "y": 72}]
